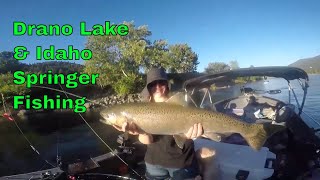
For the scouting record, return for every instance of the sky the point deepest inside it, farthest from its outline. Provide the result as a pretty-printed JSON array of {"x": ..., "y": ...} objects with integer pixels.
[{"x": 258, "y": 33}]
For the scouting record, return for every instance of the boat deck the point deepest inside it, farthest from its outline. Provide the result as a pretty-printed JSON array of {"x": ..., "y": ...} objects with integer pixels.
[{"x": 55, "y": 172}]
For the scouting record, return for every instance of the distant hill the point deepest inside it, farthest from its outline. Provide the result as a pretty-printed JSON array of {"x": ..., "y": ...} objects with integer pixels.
[{"x": 310, "y": 65}]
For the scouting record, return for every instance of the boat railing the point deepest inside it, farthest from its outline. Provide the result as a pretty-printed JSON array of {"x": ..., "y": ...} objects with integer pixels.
[{"x": 311, "y": 122}]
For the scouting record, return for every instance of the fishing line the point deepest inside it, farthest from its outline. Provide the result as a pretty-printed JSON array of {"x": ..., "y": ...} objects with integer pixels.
[
  {"x": 54, "y": 89},
  {"x": 38, "y": 170},
  {"x": 66, "y": 94},
  {"x": 13, "y": 176},
  {"x": 58, "y": 158},
  {"x": 4, "y": 104},
  {"x": 30, "y": 144},
  {"x": 32, "y": 147}
]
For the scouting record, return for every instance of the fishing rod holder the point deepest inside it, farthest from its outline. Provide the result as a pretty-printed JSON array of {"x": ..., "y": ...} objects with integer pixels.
[
  {"x": 125, "y": 149},
  {"x": 123, "y": 139},
  {"x": 49, "y": 175}
]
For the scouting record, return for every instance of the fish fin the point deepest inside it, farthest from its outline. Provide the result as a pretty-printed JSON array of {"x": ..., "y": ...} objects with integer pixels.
[
  {"x": 216, "y": 136},
  {"x": 178, "y": 99},
  {"x": 180, "y": 139},
  {"x": 260, "y": 133}
]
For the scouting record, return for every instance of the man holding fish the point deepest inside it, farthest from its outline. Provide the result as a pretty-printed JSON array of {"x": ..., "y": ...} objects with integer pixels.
[{"x": 164, "y": 158}]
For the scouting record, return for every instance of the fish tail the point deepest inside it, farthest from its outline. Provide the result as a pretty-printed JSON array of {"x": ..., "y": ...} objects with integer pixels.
[{"x": 259, "y": 133}]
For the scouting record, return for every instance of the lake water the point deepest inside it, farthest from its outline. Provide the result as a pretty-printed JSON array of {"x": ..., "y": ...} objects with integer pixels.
[
  {"x": 312, "y": 103},
  {"x": 313, "y": 98},
  {"x": 16, "y": 155}
]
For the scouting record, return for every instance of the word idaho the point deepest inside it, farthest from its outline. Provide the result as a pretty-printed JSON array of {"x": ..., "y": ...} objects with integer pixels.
[{"x": 61, "y": 54}]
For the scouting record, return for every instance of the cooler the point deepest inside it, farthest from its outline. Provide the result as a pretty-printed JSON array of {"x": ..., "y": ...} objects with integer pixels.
[{"x": 235, "y": 161}]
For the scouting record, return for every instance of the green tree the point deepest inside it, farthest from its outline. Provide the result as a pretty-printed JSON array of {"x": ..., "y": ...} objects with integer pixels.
[
  {"x": 8, "y": 63},
  {"x": 216, "y": 67},
  {"x": 234, "y": 65},
  {"x": 117, "y": 58},
  {"x": 156, "y": 55},
  {"x": 182, "y": 59},
  {"x": 177, "y": 58},
  {"x": 8, "y": 88}
]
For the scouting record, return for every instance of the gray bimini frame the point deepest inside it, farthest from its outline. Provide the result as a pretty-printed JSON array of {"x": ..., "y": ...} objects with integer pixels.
[{"x": 304, "y": 85}]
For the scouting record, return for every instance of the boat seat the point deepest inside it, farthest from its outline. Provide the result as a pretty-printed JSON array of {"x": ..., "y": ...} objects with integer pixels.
[
  {"x": 255, "y": 109},
  {"x": 284, "y": 113}
]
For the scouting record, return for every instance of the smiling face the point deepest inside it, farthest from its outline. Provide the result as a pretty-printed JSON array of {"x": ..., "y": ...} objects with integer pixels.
[{"x": 159, "y": 90}]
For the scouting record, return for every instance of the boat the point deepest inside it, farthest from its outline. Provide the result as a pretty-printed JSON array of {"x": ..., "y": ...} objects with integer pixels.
[
  {"x": 290, "y": 154},
  {"x": 293, "y": 153}
]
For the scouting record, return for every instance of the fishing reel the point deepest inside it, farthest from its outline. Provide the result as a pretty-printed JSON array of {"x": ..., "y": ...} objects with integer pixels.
[
  {"x": 313, "y": 172},
  {"x": 316, "y": 161},
  {"x": 313, "y": 166},
  {"x": 123, "y": 140},
  {"x": 48, "y": 175}
]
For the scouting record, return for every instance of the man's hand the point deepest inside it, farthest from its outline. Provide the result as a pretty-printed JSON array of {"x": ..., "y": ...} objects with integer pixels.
[
  {"x": 195, "y": 131},
  {"x": 131, "y": 128}
]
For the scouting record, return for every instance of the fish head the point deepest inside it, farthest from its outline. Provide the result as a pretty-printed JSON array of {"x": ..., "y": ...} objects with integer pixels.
[
  {"x": 108, "y": 118},
  {"x": 113, "y": 117}
]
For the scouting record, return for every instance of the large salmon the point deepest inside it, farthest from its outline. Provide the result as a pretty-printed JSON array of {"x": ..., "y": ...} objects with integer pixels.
[{"x": 173, "y": 119}]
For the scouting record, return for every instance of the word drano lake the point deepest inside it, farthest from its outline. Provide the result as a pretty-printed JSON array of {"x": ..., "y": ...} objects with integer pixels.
[{"x": 21, "y": 28}]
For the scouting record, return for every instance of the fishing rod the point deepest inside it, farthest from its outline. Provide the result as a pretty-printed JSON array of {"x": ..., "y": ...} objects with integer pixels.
[
  {"x": 10, "y": 118},
  {"x": 108, "y": 175},
  {"x": 66, "y": 94},
  {"x": 259, "y": 91},
  {"x": 63, "y": 91}
]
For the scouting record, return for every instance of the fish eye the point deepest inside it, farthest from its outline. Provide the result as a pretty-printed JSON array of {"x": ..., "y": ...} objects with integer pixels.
[
  {"x": 111, "y": 115},
  {"x": 105, "y": 115}
]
